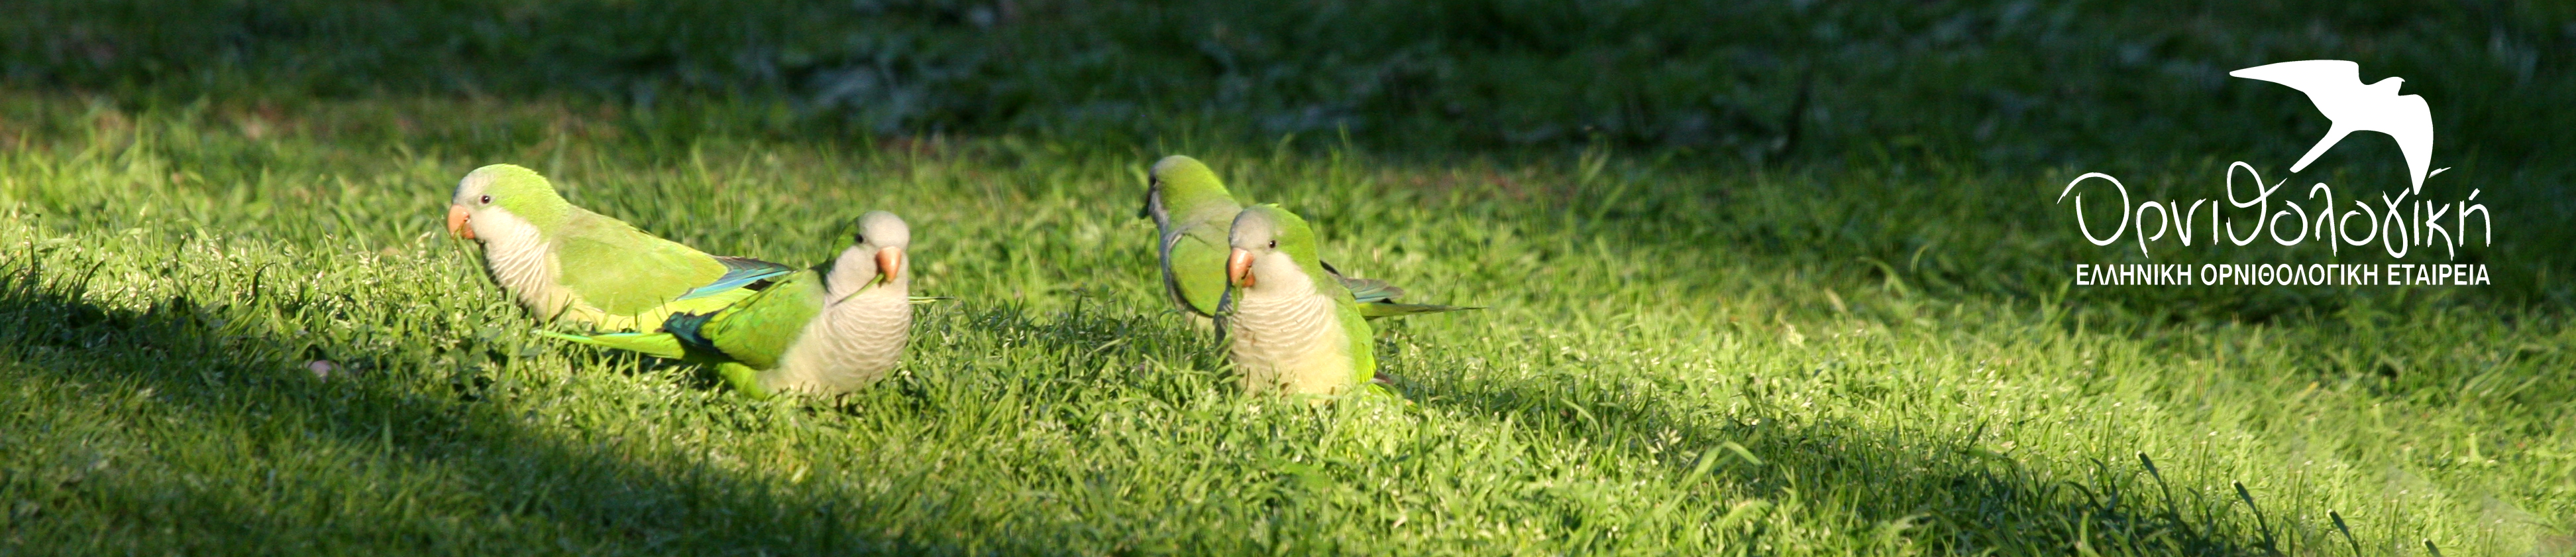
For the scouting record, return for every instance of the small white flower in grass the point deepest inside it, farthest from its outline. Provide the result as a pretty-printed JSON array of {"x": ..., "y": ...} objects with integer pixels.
[{"x": 322, "y": 369}]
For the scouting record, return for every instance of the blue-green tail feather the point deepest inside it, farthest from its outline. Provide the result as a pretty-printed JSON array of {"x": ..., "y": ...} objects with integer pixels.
[
  {"x": 1377, "y": 298},
  {"x": 1376, "y": 310},
  {"x": 659, "y": 345},
  {"x": 740, "y": 272},
  {"x": 687, "y": 329}
]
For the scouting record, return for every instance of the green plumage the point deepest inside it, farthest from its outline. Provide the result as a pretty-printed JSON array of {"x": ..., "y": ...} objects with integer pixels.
[
  {"x": 754, "y": 330},
  {"x": 569, "y": 264},
  {"x": 1276, "y": 336},
  {"x": 1193, "y": 211},
  {"x": 757, "y": 331},
  {"x": 825, "y": 330},
  {"x": 658, "y": 345},
  {"x": 1362, "y": 339},
  {"x": 739, "y": 340}
]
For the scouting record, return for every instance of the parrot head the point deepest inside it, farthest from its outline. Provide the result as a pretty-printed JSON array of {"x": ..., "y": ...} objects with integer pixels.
[
  {"x": 875, "y": 256},
  {"x": 1178, "y": 180},
  {"x": 1271, "y": 245},
  {"x": 503, "y": 199}
]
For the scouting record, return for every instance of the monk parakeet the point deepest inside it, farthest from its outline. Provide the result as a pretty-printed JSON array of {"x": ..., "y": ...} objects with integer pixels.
[
  {"x": 566, "y": 263},
  {"x": 829, "y": 330},
  {"x": 1193, "y": 210},
  {"x": 1290, "y": 327}
]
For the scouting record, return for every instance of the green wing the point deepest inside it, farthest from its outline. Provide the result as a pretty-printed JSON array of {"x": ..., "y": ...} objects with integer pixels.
[
  {"x": 1200, "y": 213},
  {"x": 739, "y": 340},
  {"x": 1194, "y": 268},
  {"x": 758, "y": 330},
  {"x": 1355, "y": 328},
  {"x": 754, "y": 331},
  {"x": 626, "y": 272},
  {"x": 1363, "y": 341}
]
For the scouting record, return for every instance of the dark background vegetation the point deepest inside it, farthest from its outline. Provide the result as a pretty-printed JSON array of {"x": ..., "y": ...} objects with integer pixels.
[
  {"x": 2006, "y": 100},
  {"x": 2000, "y": 83},
  {"x": 1905, "y": 154}
]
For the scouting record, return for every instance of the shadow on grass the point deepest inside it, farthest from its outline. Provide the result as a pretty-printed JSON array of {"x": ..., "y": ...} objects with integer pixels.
[
  {"x": 190, "y": 425},
  {"x": 205, "y": 395},
  {"x": 196, "y": 402},
  {"x": 1946, "y": 493}
]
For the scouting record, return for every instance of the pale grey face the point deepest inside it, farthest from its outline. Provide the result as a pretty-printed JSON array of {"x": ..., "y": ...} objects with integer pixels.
[
  {"x": 1256, "y": 232},
  {"x": 884, "y": 230},
  {"x": 1256, "y": 254},
  {"x": 469, "y": 191},
  {"x": 875, "y": 256},
  {"x": 502, "y": 192},
  {"x": 468, "y": 202}
]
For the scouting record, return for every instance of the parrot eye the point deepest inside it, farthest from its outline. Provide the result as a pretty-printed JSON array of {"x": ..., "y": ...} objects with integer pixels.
[
  {"x": 487, "y": 200},
  {"x": 1274, "y": 244}
]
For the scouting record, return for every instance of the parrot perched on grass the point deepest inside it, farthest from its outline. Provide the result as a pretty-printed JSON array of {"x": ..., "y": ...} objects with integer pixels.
[
  {"x": 1193, "y": 211},
  {"x": 832, "y": 329},
  {"x": 1291, "y": 328},
  {"x": 568, "y": 264}
]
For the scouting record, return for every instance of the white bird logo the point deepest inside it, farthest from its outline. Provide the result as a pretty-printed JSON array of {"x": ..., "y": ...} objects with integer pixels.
[{"x": 2335, "y": 86}]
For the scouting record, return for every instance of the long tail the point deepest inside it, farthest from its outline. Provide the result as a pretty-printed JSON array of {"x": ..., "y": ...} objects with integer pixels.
[
  {"x": 1369, "y": 290},
  {"x": 1377, "y": 298},
  {"x": 1374, "y": 310},
  {"x": 660, "y": 345}
]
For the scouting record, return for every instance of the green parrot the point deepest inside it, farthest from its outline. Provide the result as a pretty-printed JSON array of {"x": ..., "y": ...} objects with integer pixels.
[
  {"x": 1193, "y": 211},
  {"x": 832, "y": 329},
  {"x": 1291, "y": 328},
  {"x": 568, "y": 264}
]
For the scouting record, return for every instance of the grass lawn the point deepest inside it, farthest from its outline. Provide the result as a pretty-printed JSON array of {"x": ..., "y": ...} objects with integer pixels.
[{"x": 1849, "y": 330}]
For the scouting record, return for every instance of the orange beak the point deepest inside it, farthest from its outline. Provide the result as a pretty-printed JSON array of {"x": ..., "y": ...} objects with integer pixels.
[
  {"x": 457, "y": 219},
  {"x": 1238, "y": 268},
  {"x": 890, "y": 263}
]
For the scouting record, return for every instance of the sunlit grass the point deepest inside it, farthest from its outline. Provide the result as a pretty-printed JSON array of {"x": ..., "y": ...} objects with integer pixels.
[
  {"x": 1759, "y": 279},
  {"x": 1674, "y": 360}
]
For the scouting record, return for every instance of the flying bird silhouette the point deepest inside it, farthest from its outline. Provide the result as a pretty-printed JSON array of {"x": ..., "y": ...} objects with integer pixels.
[{"x": 2335, "y": 87}]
